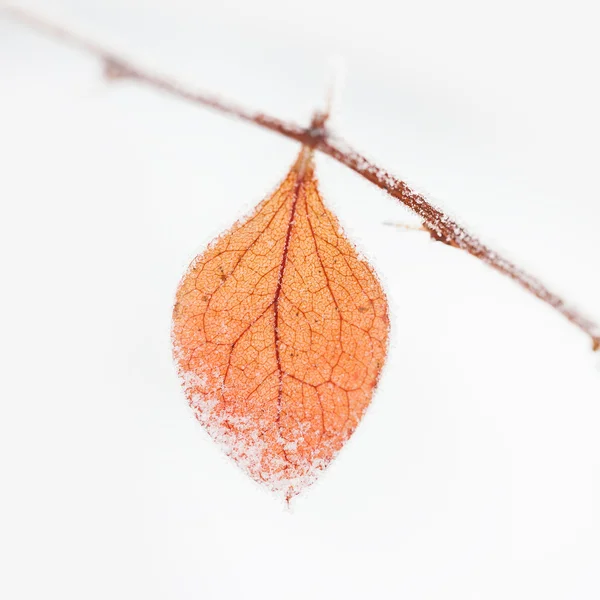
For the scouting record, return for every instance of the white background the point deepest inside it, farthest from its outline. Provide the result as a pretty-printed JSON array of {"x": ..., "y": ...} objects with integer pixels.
[{"x": 475, "y": 473}]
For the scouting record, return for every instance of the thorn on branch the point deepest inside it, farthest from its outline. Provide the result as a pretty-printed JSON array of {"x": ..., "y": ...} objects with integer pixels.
[
  {"x": 115, "y": 69},
  {"x": 405, "y": 227},
  {"x": 596, "y": 344},
  {"x": 438, "y": 236}
]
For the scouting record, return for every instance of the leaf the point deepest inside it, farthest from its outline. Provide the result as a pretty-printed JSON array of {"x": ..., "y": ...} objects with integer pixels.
[{"x": 280, "y": 332}]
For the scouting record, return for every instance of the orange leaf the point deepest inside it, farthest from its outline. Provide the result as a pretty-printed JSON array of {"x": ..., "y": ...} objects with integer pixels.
[{"x": 280, "y": 332}]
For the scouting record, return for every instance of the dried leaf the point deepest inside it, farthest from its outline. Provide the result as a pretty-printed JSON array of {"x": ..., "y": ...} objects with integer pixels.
[{"x": 280, "y": 332}]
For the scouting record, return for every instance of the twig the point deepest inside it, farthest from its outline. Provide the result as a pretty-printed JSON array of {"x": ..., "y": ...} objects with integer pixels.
[{"x": 440, "y": 227}]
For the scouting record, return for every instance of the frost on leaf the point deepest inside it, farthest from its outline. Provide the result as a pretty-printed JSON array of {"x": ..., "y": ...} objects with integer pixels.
[{"x": 279, "y": 333}]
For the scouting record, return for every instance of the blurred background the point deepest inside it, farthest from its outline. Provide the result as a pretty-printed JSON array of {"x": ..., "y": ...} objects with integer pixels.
[{"x": 476, "y": 471}]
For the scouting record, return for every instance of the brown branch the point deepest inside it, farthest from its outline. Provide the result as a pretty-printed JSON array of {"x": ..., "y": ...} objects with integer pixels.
[{"x": 441, "y": 227}]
